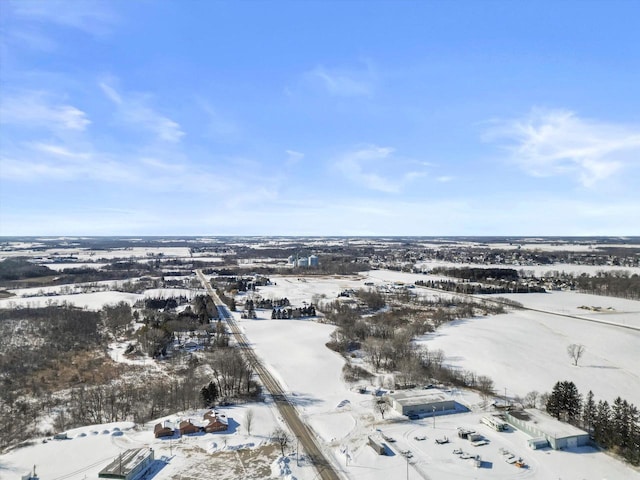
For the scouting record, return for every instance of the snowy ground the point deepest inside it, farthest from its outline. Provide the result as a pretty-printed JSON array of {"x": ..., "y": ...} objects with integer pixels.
[
  {"x": 343, "y": 418},
  {"x": 607, "y": 309},
  {"x": 89, "y": 301},
  {"x": 537, "y": 270},
  {"x": 89, "y": 449},
  {"x": 522, "y": 351}
]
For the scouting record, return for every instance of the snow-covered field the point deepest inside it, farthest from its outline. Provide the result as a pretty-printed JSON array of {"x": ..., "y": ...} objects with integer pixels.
[
  {"x": 522, "y": 351},
  {"x": 604, "y": 309},
  {"x": 91, "y": 300},
  {"x": 58, "y": 267},
  {"x": 536, "y": 270}
]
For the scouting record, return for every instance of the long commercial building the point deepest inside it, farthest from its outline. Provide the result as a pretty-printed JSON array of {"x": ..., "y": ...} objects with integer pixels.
[
  {"x": 545, "y": 430},
  {"x": 129, "y": 465},
  {"x": 421, "y": 402}
]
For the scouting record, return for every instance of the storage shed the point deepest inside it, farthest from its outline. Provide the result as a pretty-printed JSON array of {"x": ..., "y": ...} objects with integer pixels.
[{"x": 377, "y": 445}]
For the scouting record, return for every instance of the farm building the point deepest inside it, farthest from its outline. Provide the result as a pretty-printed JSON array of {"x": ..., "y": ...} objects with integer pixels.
[
  {"x": 421, "y": 402},
  {"x": 187, "y": 428},
  {"x": 129, "y": 465},
  {"x": 165, "y": 429},
  {"x": 546, "y": 430},
  {"x": 216, "y": 423}
]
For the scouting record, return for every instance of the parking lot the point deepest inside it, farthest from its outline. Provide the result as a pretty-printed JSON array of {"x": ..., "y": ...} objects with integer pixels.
[{"x": 433, "y": 450}]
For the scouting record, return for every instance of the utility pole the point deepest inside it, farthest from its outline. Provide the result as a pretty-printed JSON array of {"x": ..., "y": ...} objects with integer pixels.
[{"x": 407, "y": 458}]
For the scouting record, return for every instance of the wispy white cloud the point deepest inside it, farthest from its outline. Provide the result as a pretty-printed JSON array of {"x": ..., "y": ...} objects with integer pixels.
[
  {"x": 218, "y": 126},
  {"x": 293, "y": 157},
  {"x": 162, "y": 165},
  {"x": 32, "y": 25},
  {"x": 91, "y": 16},
  {"x": 559, "y": 142},
  {"x": 38, "y": 109},
  {"x": 343, "y": 82},
  {"x": 134, "y": 111},
  {"x": 111, "y": 93},
  {"x": 157, "y": 175},
  {"x": 55, "y": 167},
  {"x": 30, "y": 38},
  {"x": 377, "y": 168},
  {"x": 60, "y": 151}
]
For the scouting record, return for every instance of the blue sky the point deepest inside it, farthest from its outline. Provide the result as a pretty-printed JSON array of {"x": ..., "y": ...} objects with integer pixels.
[{"x": 319, "y": 118}]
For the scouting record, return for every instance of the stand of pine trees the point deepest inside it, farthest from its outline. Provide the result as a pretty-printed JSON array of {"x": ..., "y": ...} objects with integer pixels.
[{"x": 615, "y": 427}]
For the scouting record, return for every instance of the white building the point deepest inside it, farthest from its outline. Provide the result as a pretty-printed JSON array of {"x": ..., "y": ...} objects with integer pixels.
[
  {"x": 304, "y": 262},
  {"x": 546, "y": 430},
  {"x": 421, "y": 402}
]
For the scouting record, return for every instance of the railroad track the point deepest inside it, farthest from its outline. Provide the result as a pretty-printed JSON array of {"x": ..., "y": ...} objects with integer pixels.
[{"x": 286, "y": 408}]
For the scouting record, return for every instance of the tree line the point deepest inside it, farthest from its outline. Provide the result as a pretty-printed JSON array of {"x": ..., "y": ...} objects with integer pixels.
[
  {"x": 478, "y": 274},
  {"x": 615, "y": 426},
  {"x": 613, "y": 284},
  {"x": 386, "y": 339}
]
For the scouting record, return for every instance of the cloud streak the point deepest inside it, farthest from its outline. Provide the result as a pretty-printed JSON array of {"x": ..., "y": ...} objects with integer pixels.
[
  {"x": 343, "y": 83},
  {"x": 293, "y": 157},
  {"x": 134, "y": 112},
  {"x": 559, "y": 142},
  {"x": 37, "y": 109},
  {"x": 90, "y": 16},
  {"x": 377, "y": 168}
]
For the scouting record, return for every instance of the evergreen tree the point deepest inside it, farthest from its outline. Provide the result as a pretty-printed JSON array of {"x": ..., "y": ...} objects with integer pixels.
[
  {"x": 209, "y": 394},
  {"x": 572, "y": 402},
  {"x": 601, "y": 425},
  {"x": 554, "y": 402},
  {"x": 564, "y": 402},
  {"x": 589, "y": 413},
  {"x": 632, "y": 453}
]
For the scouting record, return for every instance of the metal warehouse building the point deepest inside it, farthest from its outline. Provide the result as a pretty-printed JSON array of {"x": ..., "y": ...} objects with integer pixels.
[
  {"x": 421, "y": 402},
  {"x": 546, "y": 430}
]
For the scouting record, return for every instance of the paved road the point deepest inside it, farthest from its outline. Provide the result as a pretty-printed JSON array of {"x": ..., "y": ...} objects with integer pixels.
[{"x": 287, "y": 410}]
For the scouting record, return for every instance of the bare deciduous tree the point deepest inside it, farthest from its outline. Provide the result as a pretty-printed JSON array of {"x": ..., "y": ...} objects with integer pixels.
[
  {"x": 575, "y": 352},
  {"x": 248, "y": 420},
  {"x": 281, "y": 437},
  {"x": 530, "y": 399},
  {"x": 380, "y": 405}
]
